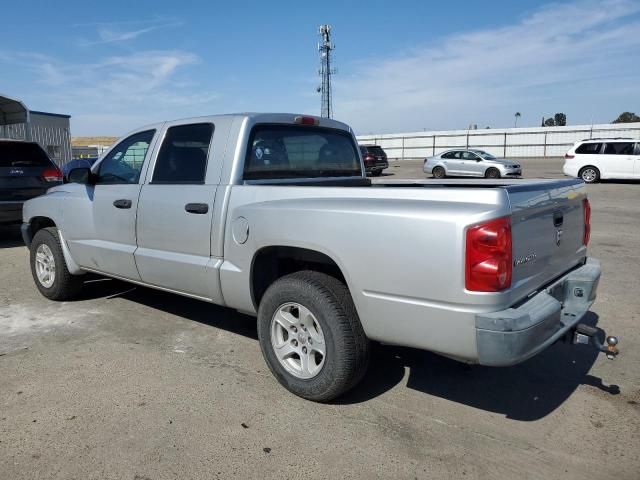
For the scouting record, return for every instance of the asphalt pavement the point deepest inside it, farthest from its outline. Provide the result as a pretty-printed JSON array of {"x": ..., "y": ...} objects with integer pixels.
[{"x": 133, "y": 383}]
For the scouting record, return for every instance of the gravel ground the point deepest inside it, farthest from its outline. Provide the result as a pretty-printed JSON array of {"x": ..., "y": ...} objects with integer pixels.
[{"x": 132, "y": 383}]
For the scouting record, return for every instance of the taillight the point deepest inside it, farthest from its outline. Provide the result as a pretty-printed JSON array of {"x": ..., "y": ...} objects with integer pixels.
[
  {"x": 52, "y": 174},
  {"x": 488, "y": 256},
  {"x": 569, "y": 156},
  {"x": 586, "y": 208},
  {"x": 302, "y": 120},
  {"x": 369, "y": 158}
]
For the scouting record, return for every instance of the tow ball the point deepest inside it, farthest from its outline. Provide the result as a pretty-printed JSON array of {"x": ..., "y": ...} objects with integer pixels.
[{"x": 587, "y": 335}]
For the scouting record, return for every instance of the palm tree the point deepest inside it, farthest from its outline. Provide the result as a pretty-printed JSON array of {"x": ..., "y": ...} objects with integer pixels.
[{"x": 517, "y": 115}]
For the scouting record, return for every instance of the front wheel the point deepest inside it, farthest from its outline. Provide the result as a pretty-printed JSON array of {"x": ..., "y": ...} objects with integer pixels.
[
  {"x": 311, "y": 337},
  {"x": 49, "y": 268},
  {"x": 492, "y": 173}
]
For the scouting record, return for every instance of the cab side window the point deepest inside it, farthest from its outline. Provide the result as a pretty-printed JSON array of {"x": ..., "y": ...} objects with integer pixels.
[
  {"x": 183, "y": 156},
  {"x": 123, "y": 163}
]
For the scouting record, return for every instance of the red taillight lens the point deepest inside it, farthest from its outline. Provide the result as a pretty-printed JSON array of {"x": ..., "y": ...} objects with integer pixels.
[
  {"x": 52, "y": 174},
  {"x": 488, "y": 256},
  {"x": 586, "y": 208},
  {"x": 568, "y": 156},
  {"x": 369, "y": 158}
]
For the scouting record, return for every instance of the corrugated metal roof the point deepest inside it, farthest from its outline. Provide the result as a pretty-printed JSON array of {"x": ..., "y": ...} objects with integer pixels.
[{"x": 12, "y": 111}]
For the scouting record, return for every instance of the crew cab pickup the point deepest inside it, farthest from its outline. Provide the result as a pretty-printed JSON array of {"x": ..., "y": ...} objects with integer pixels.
[{"x": 272, "y": 215}]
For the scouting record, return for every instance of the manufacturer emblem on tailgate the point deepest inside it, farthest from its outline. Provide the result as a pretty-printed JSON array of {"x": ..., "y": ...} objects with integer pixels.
[
  {"x": 16, "y": 171},
  {"x": 522, "y": 260}
]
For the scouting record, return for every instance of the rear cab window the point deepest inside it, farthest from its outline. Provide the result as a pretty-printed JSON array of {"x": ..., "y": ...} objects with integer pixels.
[
  {"x": 292, "y": 151},
  {"x": 19, "y": 154}
]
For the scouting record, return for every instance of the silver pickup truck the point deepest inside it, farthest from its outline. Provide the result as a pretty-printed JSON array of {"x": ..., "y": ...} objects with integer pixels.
[{"x": 273, "y": 215}]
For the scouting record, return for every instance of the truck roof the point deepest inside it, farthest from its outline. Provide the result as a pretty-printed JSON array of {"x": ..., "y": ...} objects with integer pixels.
[{"x": 257, "y": 117}]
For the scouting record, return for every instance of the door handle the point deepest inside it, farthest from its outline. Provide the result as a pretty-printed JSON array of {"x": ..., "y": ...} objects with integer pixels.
[
  {"x": 122, "y": 203},
  {"x": 197, "y": 208}
]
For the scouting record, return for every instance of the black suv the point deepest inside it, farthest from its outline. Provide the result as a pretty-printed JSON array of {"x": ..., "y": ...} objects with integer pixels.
[
  {"x": 375, "y": 160},
  {"x": 26, "y": 171}
]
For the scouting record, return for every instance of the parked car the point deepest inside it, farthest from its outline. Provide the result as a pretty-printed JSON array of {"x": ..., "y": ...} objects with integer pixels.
[
  {"x": 77, "y": 163},
  {"x": 26, "y": 171},
  {"x": 470, "y": 163},
  {"x": 375, "y": 159},
  {"x": 603, "y": 158},
  {"x": 272, "y": 215}
]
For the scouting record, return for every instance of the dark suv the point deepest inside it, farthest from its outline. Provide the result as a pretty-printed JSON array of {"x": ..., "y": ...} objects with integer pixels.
[
  {"x": 26, "y": 171},
  {"x": 375, "y": 159}
]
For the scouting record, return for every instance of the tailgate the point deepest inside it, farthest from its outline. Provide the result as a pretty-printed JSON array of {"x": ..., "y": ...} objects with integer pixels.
[{"x": 547, "y": 231}]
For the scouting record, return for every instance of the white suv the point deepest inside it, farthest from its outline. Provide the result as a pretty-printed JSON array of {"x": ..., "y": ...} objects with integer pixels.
[{"x": 603, "y": 158}]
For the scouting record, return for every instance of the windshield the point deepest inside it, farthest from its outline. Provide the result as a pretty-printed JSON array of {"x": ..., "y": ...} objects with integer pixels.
[
  {"x": 296, "y": 151},
  {"x": 485, "y": 155},
  {"x": 18, "y": 154}
]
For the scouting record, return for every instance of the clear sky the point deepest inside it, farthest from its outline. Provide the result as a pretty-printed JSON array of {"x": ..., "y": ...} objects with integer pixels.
[{"x": 402, "y": 65}]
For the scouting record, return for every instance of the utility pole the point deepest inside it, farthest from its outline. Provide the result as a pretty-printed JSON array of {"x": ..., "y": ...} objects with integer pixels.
[{"x": 325, "y": 47}]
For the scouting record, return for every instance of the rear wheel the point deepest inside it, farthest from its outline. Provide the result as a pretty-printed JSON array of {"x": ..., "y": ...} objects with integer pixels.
[
  {"x": 311, "y": 337},
  {"x": 492, "y": 173},
  {"x": 438, "y": 172},
  {"x": 49, "y": 268},
  {"x": 589, "y": 174},
  {"x": 376, "y": 173}
]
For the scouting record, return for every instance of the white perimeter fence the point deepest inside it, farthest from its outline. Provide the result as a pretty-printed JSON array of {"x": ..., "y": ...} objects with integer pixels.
[{"x": 506, "y": 142}]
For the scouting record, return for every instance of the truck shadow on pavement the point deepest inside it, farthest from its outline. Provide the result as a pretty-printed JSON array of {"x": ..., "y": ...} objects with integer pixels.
[{"x": 525, "y": 392}]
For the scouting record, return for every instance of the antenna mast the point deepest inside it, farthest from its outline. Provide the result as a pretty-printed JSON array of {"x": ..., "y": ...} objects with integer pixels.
[{"x": 325, "y": 47}]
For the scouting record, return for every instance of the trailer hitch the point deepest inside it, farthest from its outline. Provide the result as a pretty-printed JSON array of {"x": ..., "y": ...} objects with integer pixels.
[{"x": 586, "y": 335}]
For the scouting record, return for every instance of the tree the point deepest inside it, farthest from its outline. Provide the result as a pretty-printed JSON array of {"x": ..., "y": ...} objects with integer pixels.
[
  {"x": 517, "y": 115},
  {"x": 627, "y": 117},
  {"x": 560, "y": 119},
  {"x": 549, "y": 122}
]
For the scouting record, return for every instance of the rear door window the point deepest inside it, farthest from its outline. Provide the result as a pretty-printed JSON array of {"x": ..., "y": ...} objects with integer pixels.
[
  {"x": 619, "y": 148},
  {"x": 589, "y": 148},
  {"x": 183, "y": 155},
  {"x": 18, "y": 154},
  {"x": 448, "y": 155},
  {"x": 292, "y": 151}
]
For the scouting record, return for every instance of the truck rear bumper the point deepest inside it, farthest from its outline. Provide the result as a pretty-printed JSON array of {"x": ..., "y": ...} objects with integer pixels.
[{"x": 513, "y": 335}]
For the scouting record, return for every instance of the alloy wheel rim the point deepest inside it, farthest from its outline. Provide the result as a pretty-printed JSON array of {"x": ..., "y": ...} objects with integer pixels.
[
  {"x": 45, "y": 265},
  {"x": 589, "y": 175},
  {"x": 298, "y": 341}
]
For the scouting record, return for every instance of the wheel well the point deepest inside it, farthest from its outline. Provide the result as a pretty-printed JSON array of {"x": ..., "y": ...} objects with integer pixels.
[
  {"x": 38, "y": 223},
  {"x": 272, "y": 263},
  {"x": 588, "y": 166}
]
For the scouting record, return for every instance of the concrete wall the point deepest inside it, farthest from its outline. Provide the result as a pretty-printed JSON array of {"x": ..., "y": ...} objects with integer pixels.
[{"x": 505, "y": 142}]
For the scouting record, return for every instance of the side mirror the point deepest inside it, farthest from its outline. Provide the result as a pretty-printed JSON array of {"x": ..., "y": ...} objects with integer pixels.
[
  {"x": 80, "y": 175},
  {"x": 478, "y": 159}
]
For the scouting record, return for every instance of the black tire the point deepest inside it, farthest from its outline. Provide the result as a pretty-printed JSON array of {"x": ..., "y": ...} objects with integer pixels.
[
  {"x": 438, "y": 172},
  {"x": 347, "y": 347},
  {"x": 492, "y": 173},
  {"x": 589, "y": 174},
  {"x": 65, "y": 286},
  {"x": 376, "y": 173}
]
